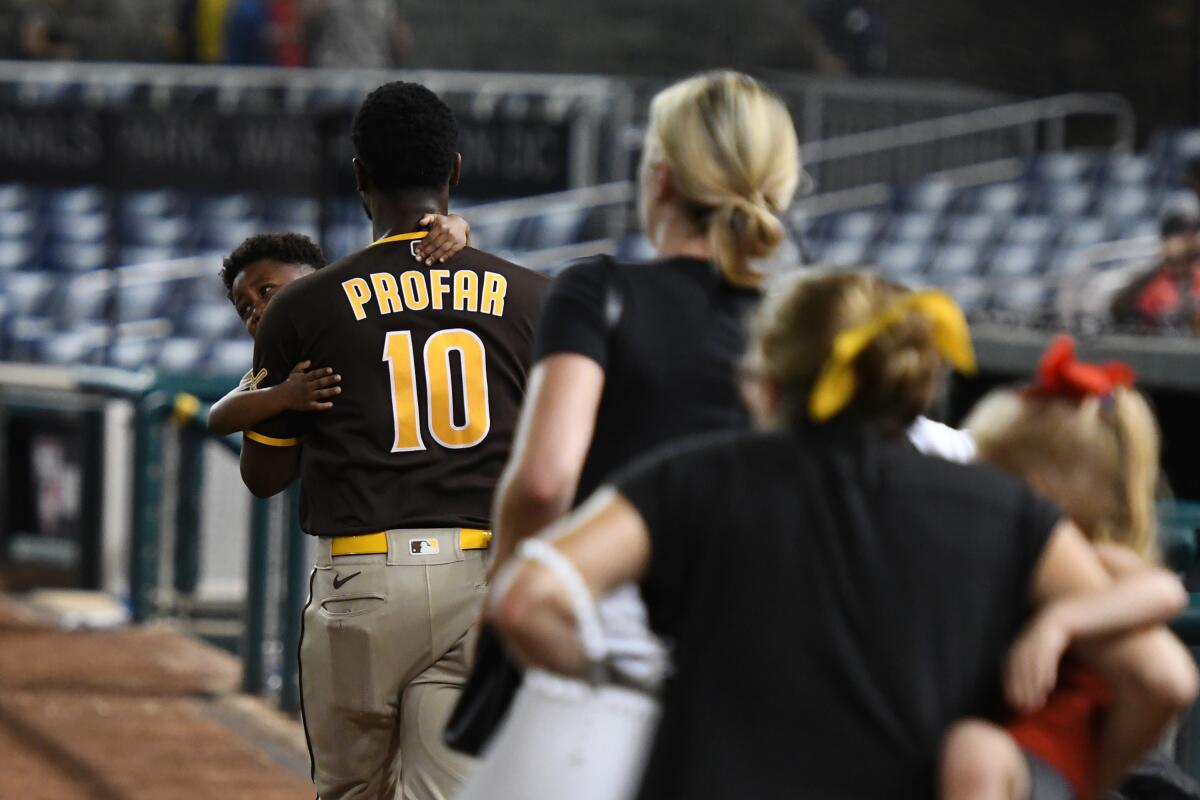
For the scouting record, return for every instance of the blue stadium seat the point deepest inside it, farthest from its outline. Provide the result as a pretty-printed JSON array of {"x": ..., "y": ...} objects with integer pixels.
[
  {"x": 976, "y": 229},
  {"x": 1179, "y": 200},
  {"x": 18, "y": 223},
  {"x": 914, "y": 227},
  {"x": 954, "y": 260},
  {"x": 1070, "y": 200},
  {"x": 347, "y": 238},
  {"x": 286, "y": 212},
  {"x": 226, "y": 234},
  {"x": 1145, "y": 228},
  {"x": 163, "y": 231},
  {"x": 16, "y": 254},
  {"x": 78, "y": 257},
  {"x": 1128, "y": 168},
  {"x": 15, "y": 197},
  {"x": 153, "y": 203},
  {"x": 84, "y": 227},
  {"x": 79, "y": 200},
  {"x": 225, "y": 207},
  {"x": 928, "y": 195},
  {"x": 143, "y": 301},
  {"x": 1025, "y": 295},
  {"x": 134, "y": 353},
  {"x": 1034, "y": 230},
  {"x": 211, "y": 321},
  {"x": 1083, "y": 233},
  {"x": 145, "y": 254},
  {"x": 84, "y": 298},
  {"x": 183, "y": 355},
  {"x": 857, "y": 225},
  {"x": 902, "y": 261},
  {"x": 71, "y": 347},
  {"x": 1003, "y": 199},
  {"x": 970, "y": 292},
  {"x": 231, "y": 358},
  {"x": 1015, "y": 261},
  {"x": 1063, "y": 167},
  {"x": 1123, "y": 201},
  {"x": 844, "y": 253},
  {"x": 27, "y": 292}
]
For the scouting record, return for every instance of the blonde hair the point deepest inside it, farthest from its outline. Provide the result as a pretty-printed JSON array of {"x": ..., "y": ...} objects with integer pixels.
[
  {"x": 1096, "y": 457},
  {"x": 734, "y": 158},
  {"x": 897, "y": 374}
]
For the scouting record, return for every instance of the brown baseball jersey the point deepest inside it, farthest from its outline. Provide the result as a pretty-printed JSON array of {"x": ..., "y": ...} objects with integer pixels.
[{"x": 433, "y": 363}]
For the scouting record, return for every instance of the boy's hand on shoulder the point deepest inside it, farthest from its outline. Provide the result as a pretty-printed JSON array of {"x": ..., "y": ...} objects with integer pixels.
[
  {"x": 306, "y": 390},
  {"x": 447, "y": 235}
]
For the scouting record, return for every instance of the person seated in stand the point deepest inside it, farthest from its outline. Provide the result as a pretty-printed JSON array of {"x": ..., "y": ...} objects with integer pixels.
[
  {"x": 1169, "y": 294},
  {"x": 836, "y": 600},
  {"x": 253, "y": 274},
  {"x": 1084, "y": 437}
]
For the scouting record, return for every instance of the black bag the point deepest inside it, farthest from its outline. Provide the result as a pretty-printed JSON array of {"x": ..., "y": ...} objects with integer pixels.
[{"x": 495, "y": 677}]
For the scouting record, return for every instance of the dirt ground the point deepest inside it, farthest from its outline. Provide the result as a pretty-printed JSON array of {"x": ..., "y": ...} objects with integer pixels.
[{"x": 133, "y": 714}]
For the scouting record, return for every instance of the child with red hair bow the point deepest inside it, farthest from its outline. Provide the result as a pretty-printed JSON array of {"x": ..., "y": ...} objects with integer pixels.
[{"x": 1084, "y": 437}]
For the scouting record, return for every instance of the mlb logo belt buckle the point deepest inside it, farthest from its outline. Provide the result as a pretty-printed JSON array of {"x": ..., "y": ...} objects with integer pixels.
[{"x": 424, "y": 547}]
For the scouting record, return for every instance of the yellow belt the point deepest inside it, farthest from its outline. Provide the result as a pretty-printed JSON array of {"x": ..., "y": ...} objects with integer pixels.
[{"x": 366, "y": 544}]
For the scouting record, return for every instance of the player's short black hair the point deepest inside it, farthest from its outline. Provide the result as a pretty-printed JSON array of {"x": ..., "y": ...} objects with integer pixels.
[
  {"x": 287, "y": 248},
  {"x": 1177, "y": 221},
  {"x": 406, "y": 137}
]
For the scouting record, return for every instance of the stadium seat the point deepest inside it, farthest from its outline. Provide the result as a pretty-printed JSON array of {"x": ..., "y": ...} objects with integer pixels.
[
  {"x": 78, "y": 257},
  {"x": 1145, "y": 228},
  {"x": 27, "y": 292},
  {"x": 1128, "y": 168},
  {"x": 164, "y": 231},
  {"x": 16, "y": 254},
  {"x": 1015, "y": 261},
  {"x": 970, "y": 292},
  {"x": 857, "y": 225},
  {"x": 211, "y": 321},
  {"x": 18, "y": 223},
  {"x": 954, "y": 260},
  {"x": 86, "y": 227},
  {"x": 153, "y": 203},
  {"x": 142, "y": 301},
  {"x": 1033, "y": 230},
  {"x": 929, "y": 195},
  {"x": 77, "y": 201},
  {"x": 72, "y": 347},
  {"x": 225, "y": 207},
  {"x": 635, "y": 247},
  {"x": 145, "y": 254},
  {"x": 14, "y": 197},
  {"x": 902, "y": 261},
  {"x": 284, "y": 212},
  {"x": 182, "y": 355},
  {"x": 1062, "y": 167},
  {"x": 1024, "y": 296},
  {"x": 1122, "y": 202},
  {"x": 1083, "y": 233},
  {"x": 556, "y": 228},
  {"x": 1069, "y": 200},
  {"x": 84, "y": 298},
  {"x": 134, "y": 353},
  {"x": 1000, "y": 199},
  {"x": 913, "y": 227},
  {"x": 231, "y": 358},
  {"x": 844, "y": 253},
  {"x": 224, "y": 235},
  {"x": 976, "y": 229}
]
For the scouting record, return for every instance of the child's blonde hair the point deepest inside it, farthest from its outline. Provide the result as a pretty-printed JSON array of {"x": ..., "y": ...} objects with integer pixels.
[
  {"x": 734, "y": 157},
  {"x": 1096, "y": 456}
]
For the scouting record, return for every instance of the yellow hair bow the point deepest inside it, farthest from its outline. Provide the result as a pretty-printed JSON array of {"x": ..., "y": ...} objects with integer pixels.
[{"x": 835, "y": 385}]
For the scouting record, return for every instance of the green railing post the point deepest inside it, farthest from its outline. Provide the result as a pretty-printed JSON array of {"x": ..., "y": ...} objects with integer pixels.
[
  {"x": 147, "y": 494},
  {"x": 295, "y": 595},
  {"x": 256, "y": 598},
  {"x": 191, "y": 486}
]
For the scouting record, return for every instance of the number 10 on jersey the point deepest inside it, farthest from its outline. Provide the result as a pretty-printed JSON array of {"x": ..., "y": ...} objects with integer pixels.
[{"x": 439, "y": 393}]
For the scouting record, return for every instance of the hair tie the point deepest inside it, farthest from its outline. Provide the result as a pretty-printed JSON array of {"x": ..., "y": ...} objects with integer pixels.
[
  {"x": 1061, "y": 375},
  {"x": 836, "y": 383}
]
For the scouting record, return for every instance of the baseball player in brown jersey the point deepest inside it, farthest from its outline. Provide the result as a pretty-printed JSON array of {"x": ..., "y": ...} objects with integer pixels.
[{"x": 397, "y": 478}]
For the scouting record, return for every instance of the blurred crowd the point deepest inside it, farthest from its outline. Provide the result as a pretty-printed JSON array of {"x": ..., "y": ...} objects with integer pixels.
[{"x": 286, "y": 33}]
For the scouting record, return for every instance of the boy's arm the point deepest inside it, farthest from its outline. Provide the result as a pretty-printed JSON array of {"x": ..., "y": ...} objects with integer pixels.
[
  {"x": 447, "y": 235},
  {"x": 244, "y": 408}
]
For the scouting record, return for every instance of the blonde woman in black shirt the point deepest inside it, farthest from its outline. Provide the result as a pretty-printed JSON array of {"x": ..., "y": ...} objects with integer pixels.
[
  {"x": 834, "y": 599},
  {"x": 629, "y": 356}
]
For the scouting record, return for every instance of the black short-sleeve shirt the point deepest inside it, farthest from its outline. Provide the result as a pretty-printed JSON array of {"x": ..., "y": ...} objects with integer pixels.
[
  {"x": 433, "y": 363},
  {"x": 835, "y": 600},
  {"x": 669, "y": 359}
]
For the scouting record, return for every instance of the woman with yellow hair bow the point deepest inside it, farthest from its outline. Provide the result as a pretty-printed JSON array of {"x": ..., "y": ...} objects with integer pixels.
[{"x": 833, "y": 597}]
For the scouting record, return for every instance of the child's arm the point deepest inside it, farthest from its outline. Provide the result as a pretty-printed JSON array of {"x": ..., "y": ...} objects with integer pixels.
[
  {"x": 242, "y": 408},
  {"x": 447, "y": 235},
  {"x": 1141, "y": 598}
]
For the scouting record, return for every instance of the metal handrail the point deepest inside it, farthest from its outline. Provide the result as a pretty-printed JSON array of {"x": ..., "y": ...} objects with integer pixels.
[{"x": 982, "y": 121}]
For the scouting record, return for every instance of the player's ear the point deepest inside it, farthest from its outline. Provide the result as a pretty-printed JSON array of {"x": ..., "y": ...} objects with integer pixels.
[
  {"x": 456, "y": 170},
  {"x": 361, "y": 181}
]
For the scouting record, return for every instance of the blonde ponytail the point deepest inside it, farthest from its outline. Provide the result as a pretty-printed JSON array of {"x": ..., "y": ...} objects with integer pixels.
[{"x": 735, "y": 160}]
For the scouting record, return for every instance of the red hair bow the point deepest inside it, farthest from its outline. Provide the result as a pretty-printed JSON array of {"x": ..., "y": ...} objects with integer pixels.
[{"x": 1060, "y": 374}]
